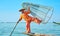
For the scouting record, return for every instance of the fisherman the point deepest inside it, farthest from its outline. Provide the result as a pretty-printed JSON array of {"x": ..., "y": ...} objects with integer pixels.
[{"x": 28, "y": 19}]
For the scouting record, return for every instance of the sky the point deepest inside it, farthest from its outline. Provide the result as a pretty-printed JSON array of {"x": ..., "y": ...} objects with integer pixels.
[{"x": 9, "y": 9}]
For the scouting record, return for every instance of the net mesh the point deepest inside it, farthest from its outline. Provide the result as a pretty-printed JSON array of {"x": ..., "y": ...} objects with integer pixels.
[{"x": 39, "y": 11}]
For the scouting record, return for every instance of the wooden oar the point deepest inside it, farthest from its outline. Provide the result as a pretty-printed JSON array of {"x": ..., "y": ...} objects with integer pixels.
[{"x": 13, "y": 30}]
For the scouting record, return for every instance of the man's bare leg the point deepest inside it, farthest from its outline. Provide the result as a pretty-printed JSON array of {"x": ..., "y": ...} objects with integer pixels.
[{"x": 28, "y": 27}]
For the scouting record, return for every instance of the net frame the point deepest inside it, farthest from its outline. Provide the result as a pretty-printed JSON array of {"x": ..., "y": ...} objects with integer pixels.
[{"x": 35, "y": 10}]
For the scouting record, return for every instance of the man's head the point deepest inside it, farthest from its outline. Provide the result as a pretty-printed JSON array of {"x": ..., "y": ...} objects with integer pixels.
[{"x": 21, "y": 10}]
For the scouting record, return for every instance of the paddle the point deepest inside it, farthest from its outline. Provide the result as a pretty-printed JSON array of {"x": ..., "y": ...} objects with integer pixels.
[{"x": 13, "y": 29}]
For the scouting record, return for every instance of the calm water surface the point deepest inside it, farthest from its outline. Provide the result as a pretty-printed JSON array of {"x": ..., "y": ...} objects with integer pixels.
[{"x": 49, "y": 28}]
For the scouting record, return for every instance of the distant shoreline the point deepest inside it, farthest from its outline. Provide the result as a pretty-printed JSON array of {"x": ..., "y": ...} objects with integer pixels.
[
  {"x": 7, "y": 22},
  {"x": 56, "y": 22}
]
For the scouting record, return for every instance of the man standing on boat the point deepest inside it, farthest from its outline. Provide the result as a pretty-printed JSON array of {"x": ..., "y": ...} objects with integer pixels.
[{"x": 28, "y": 19}]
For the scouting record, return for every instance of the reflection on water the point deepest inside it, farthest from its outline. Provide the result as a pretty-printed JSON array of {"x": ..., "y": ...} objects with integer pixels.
[{"x": 49, "y": 28}]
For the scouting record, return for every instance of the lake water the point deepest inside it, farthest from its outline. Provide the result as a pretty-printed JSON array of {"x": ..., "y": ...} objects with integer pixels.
[{"x": 49, "y": 28}]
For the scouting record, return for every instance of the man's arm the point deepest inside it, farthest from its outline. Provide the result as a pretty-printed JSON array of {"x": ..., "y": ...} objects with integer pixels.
[
  {"x": 28, "y": 11},
  {"x": 19, "y": 19}
]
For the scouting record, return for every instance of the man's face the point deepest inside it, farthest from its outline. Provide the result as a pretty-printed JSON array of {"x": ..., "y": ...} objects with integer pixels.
[{"x": 22, "y": 11}]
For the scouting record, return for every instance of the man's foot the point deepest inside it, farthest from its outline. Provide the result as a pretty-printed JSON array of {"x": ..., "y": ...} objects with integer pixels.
[{"x": 26, "y": 32}]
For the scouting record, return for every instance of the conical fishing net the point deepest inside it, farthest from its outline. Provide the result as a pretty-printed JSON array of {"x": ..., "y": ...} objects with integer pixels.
[{"x": 39, "y": 11}]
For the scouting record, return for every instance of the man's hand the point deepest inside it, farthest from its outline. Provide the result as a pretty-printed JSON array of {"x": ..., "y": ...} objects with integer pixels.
[{"x": 17, "y": 22}]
